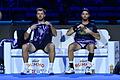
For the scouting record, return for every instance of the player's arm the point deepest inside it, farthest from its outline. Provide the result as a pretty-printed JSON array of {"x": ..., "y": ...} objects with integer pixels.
[
  {"x": 27, "y": 33},
  {"x": 54, "y": 32},
  {"x": 74, "y": 29},
  {"x": 70, "y": 31},
  {"x": 94, "y": 34}
]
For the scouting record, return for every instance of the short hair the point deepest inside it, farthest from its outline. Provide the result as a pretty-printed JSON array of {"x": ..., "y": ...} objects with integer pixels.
[
  {"x": 41, "y": 9},
  {"x": 85, "y": 9}
]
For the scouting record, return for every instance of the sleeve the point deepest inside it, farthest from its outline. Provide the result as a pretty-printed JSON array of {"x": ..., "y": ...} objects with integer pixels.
[{"x": 95, "y": 29}]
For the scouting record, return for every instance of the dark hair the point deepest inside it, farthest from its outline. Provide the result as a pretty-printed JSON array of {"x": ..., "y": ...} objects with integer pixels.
[
  {"x": 41, "y": 9},
  {"x": 85, "y": 9}
]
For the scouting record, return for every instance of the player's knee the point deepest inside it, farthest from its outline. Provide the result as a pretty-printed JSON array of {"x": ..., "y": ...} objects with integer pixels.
[
  {"x": 25, "y": 46},
  {"x": 71, "y": 47},
  {"x": 51, "y": 45},
  {"x": 91, "y": 51}
]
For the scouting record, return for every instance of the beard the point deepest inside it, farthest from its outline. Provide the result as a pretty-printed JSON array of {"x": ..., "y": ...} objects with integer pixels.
[{"x": 85, "y": 19}]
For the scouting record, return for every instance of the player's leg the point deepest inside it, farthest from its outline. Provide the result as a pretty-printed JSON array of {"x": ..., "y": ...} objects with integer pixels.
[
  {"x": 90, "y": 48},
  {"x": 26, "y": 48},
  {"x": 50, "y": 49},
  {"x": 71, "y": 48}
]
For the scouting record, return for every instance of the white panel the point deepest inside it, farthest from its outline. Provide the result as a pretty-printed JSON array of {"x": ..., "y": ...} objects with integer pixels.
[
  {"x": 100, "y": 65},
  {"x": 7, "y": 57},
  {"x": 58, "y": 67}
]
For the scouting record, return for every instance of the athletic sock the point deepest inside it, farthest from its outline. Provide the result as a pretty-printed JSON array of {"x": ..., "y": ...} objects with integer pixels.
[
  {"x": 71, "y": 64},
  {"x": 90, "y": 57}
]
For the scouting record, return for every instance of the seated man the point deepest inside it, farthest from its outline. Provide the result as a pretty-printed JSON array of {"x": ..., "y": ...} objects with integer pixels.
[
  {"x": 42, "y": 39},
  {"x": 86, "y": 33}
]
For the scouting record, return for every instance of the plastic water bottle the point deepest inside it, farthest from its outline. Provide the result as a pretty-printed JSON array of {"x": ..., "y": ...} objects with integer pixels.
[{"x": 111, "y": 69}]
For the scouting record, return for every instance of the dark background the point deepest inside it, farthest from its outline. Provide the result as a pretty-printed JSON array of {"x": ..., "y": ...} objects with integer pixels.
[{"x": 61, "y": 10}]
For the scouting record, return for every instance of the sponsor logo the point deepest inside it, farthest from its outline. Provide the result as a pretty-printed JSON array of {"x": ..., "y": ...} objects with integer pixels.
[
  {"x": 35, "y": 67},
  {"x": 81, "y": 65}
]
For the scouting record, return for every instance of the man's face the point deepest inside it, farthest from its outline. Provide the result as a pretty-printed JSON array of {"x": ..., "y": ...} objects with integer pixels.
[
  {"x": 85, "y": 15},
  {"x": 40, "y": 15}
]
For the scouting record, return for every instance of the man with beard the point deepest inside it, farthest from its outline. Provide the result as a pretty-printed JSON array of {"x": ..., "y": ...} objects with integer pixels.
[
  {"x": 42, "y": 39},
  {"x": 85, "y": 35}
]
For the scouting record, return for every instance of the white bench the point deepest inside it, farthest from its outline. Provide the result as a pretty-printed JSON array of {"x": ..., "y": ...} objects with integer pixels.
[{"x": 104, "y": 55}]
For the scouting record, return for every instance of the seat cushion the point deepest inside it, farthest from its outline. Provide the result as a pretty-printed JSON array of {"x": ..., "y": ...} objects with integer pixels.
[
  {"x": 18, "y": 52},
  {"x": 62, "y": 52},
  {"x": 84, "y": 52}
]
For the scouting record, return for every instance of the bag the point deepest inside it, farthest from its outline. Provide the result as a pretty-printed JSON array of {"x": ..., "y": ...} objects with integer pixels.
[{"x": 117, "y": 68}]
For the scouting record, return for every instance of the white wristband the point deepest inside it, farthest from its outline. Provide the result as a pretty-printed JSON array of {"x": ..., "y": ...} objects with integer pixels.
[{"x": 29, "y": 31}]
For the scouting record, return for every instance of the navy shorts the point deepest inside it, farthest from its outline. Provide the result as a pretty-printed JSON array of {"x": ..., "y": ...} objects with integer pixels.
[{"x": 40, "y": 46}]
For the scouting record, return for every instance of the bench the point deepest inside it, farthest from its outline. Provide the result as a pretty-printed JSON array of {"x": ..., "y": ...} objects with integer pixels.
[{"x": 104, "y": 55}]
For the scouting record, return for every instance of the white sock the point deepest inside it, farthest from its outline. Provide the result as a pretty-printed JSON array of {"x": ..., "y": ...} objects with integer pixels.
[
  {"x": 51, "y": 66},
  {"x": 70, "y": 61},
  {"x": 26, "y": 66}
]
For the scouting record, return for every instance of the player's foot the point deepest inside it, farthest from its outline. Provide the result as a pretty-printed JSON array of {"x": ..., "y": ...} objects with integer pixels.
[
  {"x": 88, "y": 71},
  {"x": 50, "y": 71},
  {"x": 25, "y": 72},
  {"x": 70, "y": 71}
]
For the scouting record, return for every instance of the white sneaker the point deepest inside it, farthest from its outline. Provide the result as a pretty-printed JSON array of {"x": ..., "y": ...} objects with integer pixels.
[
  {"x": 25, "y": 69},
  {"x": 88, "y": 68},
  {"x": 25, "y": 72},
  {"x": 88, "y": 71},
  {"x": 50, "y": 72},
  {"x": 70, "y": 71}
]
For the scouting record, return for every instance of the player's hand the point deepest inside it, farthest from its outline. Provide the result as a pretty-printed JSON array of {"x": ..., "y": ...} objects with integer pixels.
[
  {"x": 48, "y": 23},
  {"x": 87, "y": 30},
  {"x": 34, "y": 26},
  {"x": 80, "y": 26}
]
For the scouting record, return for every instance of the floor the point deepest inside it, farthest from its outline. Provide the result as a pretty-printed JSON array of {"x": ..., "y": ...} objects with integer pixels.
[{"x": 59, "y": 77}]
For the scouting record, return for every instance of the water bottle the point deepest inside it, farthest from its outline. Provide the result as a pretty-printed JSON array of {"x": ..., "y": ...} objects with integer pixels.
[{"x": 111, "y": 69}]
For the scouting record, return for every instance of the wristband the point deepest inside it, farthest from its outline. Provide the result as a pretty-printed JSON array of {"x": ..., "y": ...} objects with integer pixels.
[
  {"x": 75, "y": 29},
  {"x": 29, "y": 31}
]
